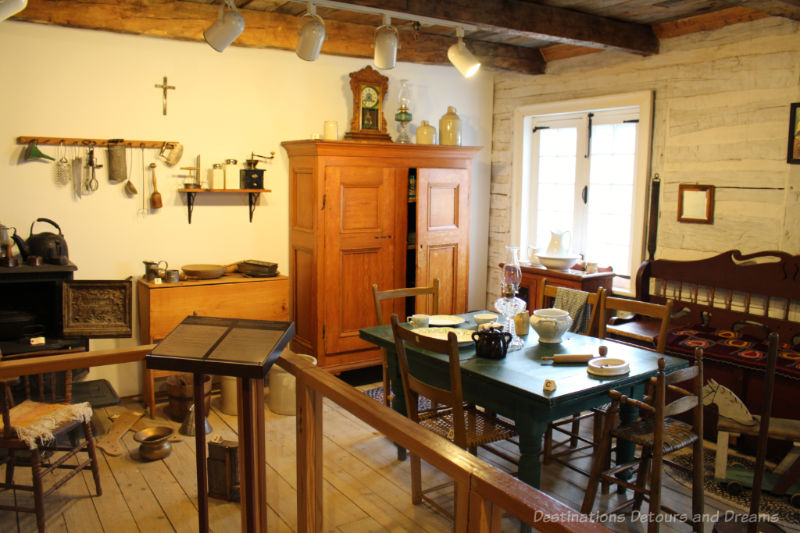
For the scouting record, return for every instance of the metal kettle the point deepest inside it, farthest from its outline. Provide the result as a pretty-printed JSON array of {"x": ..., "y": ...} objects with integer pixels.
[{"x": 51, "y": 247}]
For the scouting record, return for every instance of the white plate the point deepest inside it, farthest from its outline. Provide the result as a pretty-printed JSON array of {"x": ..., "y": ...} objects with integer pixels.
[
  {"x": 464, "y": 335},
  {"x": 445, "y": 320}
]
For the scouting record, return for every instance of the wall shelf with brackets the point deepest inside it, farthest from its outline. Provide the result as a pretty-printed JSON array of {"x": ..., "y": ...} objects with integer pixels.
[{"x": 252, "y": 197}]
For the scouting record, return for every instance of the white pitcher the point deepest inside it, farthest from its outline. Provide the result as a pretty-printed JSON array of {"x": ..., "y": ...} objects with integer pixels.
[{"x": 557, "y": 246}]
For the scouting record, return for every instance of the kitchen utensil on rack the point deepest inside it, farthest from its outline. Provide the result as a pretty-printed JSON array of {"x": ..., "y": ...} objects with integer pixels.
[
  {"x": 32, "y": 152},
  {"x": 116, "y": 161},
  {"x": 77, "y": 176},
  {"x": 91, "y": 163},
  {"x": 130, "y": 188},
  {"x": 62, "y": 166},
  {"x": 155, "y": 198},
  {"x": 171, "y": 153}
]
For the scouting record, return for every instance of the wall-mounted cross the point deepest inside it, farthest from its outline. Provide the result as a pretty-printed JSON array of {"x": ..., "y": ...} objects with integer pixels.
[{"x": 165, "y": 87}]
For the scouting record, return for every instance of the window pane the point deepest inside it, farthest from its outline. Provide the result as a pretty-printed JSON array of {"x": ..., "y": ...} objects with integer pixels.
[
  {"x": 556, "y": 182},
  {"x": 609, "y": 215}
]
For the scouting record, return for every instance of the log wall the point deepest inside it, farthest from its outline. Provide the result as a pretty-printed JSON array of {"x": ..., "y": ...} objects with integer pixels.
[{"x": 722, "y": 102}]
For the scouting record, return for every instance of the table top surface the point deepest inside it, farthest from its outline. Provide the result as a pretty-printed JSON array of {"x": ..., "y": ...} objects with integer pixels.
[
  {"x": 222, "y": 346},
  {"x": 524, "y": 372}
]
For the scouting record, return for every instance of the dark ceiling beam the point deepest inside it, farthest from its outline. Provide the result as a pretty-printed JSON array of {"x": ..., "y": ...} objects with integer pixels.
[
  {"x": 187, "y": 20},
  {"x": 530, "y": 20},
  {"x": 779, "y": 8}
]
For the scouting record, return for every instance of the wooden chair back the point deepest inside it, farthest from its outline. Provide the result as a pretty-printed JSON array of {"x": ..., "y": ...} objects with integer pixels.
[
  {"x": 7, "y": 394},
  {"x": 380, "y": 296},
  {"x": 686, "y": 398},
  {"x": 413, "y": 387},
  {"x": 657, "y": 312},
  {"x": 547, "y": 295}
]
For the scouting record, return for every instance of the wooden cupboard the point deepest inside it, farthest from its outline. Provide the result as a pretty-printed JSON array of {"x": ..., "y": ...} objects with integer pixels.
[
  {"x": 353, "y": 222},
  {"x": 572, "y": 279}
]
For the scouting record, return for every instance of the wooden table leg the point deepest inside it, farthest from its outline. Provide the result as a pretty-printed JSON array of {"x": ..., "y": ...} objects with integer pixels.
[
  {"x": 200, "y": 446},
  {"x": 252, "y": 455}
]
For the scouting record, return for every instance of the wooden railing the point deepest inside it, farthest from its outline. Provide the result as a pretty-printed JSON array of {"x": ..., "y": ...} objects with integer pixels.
[{"x": 483, "y": 492}]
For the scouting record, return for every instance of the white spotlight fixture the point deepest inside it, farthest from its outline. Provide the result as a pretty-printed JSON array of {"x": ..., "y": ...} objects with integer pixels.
[
  {"x": 311, "y": 35},
  {"x": 9, "y": 8},
  {"x": 461, "y": 58},
  {"x": 386, "y": 44},
  {"x": 228, "y": 26}
]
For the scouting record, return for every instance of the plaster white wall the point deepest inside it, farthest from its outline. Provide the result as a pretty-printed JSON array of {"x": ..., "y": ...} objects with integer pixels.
[{"x": 80, "y": 83}]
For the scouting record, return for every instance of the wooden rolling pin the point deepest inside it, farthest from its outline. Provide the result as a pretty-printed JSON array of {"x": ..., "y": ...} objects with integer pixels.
[
  {"x": 575, "y": 357},
  {"x": 570, "y": 358}
]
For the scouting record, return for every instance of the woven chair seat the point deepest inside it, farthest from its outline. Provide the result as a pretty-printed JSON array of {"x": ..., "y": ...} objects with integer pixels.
[
  {"x": 481, "y": 428},
  {"x": 37, "y": 423},
  {"x": 677, "y": 434}
]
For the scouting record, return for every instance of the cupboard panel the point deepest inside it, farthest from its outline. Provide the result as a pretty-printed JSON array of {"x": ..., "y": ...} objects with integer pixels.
[{"x": 303, "y": 201}]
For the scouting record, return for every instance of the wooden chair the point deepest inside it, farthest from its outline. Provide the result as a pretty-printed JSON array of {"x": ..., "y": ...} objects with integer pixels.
[
  {"x": 546, "y": 298},
  {"x": 464, "y": 425},
  {"x": 647, "y": 327},
  {"x": 380, "y": 296},
  {"x": 35, "y": 426},
  {"x": 658, "y": 435}
]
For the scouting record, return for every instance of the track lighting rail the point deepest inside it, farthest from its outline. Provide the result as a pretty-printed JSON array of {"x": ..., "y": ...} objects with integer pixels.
[{"x": 355, "y": 8}]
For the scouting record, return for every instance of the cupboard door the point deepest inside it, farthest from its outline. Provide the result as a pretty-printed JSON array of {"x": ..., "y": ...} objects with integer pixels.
[
  {"x": 360, "y": 241},
  {"x": 443, "y": 235}
]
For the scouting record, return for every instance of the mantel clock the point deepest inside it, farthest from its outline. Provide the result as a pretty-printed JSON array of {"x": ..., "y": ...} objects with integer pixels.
[{"x": 369, "y": 90}]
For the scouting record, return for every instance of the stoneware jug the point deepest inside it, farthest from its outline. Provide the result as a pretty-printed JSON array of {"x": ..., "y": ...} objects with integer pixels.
[
  {"x": 550, "y": 324},
  {"x": 450, "y": 128},
  {"x": 558, "y": 247},
  {"x": 426, "y": 134},
  {"x": 491, "y": 343}
]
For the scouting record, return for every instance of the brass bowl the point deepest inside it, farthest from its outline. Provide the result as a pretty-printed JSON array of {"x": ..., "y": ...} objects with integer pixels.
[{"x": 154, "y": 442}]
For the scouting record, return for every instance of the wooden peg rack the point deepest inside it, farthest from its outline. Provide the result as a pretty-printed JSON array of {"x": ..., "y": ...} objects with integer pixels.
[{"x": 94, "y": 142}]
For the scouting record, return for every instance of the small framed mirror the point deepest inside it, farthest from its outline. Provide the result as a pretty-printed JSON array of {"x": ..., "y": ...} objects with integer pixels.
[{"x": 696, "y": 203}]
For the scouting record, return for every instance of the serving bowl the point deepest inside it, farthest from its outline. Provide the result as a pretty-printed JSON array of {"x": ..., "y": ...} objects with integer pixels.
[{"x": 558, "y": 262}]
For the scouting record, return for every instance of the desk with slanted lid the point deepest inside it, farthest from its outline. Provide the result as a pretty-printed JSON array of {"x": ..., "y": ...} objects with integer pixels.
[{"x": 229, "y": 347}]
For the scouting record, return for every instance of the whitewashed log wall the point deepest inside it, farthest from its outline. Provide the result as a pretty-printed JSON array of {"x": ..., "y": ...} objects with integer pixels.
[{"x": 721, "y": 118}]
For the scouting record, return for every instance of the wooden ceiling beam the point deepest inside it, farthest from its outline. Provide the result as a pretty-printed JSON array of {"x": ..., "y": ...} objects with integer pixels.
[
  {"x": 534, "y": 21},
  {"x": 778, "y": 8},
  {"x": 187, "y": 20}
]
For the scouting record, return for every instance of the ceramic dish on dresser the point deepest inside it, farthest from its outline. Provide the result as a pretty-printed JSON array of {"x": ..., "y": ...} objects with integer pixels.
[
  {"x": 445, "y": 320},
  {"x": 464, "y": 335}
]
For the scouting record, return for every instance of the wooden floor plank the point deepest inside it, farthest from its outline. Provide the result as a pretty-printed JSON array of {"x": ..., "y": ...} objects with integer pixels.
[{"x": 365, "y": 487}]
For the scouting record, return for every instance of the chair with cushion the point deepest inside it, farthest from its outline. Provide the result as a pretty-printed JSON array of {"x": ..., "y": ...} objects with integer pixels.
[
  {"x": 465, "y": 425},
  {"x": 381, "y": 296},
  {"x": 657, "y": 434},
  {"x": 30, "y": 437}
]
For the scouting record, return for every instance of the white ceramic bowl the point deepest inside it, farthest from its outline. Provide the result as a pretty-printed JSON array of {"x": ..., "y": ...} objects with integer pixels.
[
  {"x": 558, "y": 263},
  {"x": 483, "y": 318}
]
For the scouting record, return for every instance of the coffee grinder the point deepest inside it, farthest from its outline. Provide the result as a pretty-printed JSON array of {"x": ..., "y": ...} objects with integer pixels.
[{"x": 252, "y": 177}]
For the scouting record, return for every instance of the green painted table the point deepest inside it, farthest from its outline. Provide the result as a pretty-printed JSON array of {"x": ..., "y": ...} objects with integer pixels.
[{"x": 512, "y": 386}]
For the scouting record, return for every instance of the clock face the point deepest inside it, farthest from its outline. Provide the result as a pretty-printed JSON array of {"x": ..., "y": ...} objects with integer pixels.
[
  {"x": 369, "y": 97},
  {"x": 370, "y": 106}
]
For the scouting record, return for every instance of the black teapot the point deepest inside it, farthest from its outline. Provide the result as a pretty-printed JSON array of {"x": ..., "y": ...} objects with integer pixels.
[{"x": 491, "y": 343}]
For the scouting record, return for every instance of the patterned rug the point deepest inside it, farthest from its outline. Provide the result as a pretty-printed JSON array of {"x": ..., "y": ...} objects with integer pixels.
[
  {"x": 770, "y": 503},
  {"x": 376, "y": 393}
]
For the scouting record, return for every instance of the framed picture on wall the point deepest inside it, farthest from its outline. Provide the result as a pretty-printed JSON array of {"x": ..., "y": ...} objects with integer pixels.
[
  {"x": 793, "y": 154},
  {"x": 696, "y": 203}
]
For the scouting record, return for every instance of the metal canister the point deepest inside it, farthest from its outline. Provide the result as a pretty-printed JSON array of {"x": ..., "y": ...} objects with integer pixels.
[{"x": 172, "y": 276}]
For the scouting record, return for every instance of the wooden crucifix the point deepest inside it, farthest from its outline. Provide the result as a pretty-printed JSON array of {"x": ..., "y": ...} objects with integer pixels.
[{"x": 165, "y": 87}]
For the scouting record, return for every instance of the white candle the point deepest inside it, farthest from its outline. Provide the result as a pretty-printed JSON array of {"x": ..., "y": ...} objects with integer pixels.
[{"x": 331, "y": 131}]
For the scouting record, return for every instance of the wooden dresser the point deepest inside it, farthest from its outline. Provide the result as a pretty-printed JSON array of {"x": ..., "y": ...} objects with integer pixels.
[
  {"x": 363, "y": 213},
  {"x": 573, "y": 279},
  {"x": 164, "y": 306}
]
